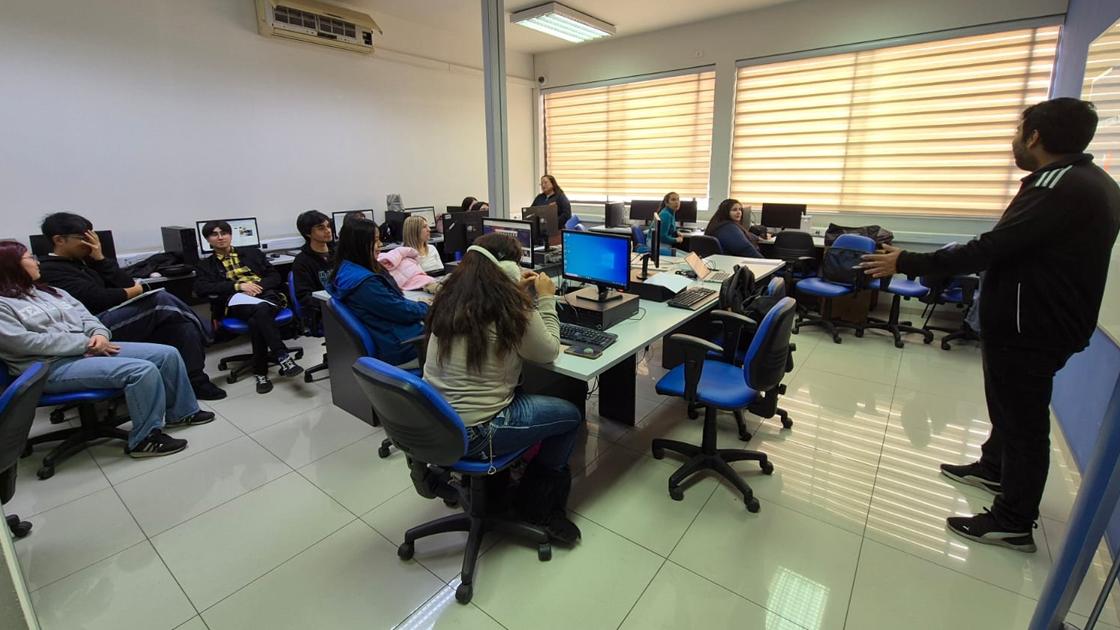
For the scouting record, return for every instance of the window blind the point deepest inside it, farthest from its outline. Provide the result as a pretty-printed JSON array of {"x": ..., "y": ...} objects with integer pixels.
[
  {"x": 632, "y": 140},
  {"x": 919, "y": 129},
  {"x": 1102, "y": 87}
]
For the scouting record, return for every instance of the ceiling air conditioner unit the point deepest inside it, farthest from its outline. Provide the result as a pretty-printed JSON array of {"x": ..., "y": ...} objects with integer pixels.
[{"x": 318, "y": 23}]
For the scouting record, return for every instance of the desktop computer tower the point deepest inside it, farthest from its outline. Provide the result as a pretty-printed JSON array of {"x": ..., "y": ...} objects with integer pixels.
[{"x": 182, "y": 241}]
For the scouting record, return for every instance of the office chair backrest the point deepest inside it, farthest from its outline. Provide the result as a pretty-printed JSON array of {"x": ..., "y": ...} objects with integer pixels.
[
  {"x": 765, "y": 361},
  {"x": 17, "y": 412},
  {"x": 704, "y": 246},
  {"x": 415, "y": 417},
  {"x": 639, "y": 235},
  {"x": 791, "y": 244},
  {"x": 575, "y": 223},
  {"x": 777, "y": 287},
  {"x": 355, "y": 331},
  {"x": 855, "y": 241},
  {"x": 292, "y": 296}
]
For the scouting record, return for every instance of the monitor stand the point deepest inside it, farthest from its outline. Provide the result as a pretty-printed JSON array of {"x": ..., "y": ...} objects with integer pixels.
[{"x": 601, "y": 295}]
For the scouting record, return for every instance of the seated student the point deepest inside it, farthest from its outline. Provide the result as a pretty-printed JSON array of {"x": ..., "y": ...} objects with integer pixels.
[
  {"x": 41, "y": 323},
  {"x": 78, "y": 267},
  {"x": 363, "y": 286},
  {"x": 311, "y": 269},
  {"x": 234, "y": 274},
  {"x": 670, "y": 238},
  {"x": 417, "y": 232},
  {"x": 467, "y": 203},
  {"x": 551, "y": 193},
  {"x": 488, "y": 318},
  {"x": 481, "y": 206},
  {"x": 726, "y": 225}
]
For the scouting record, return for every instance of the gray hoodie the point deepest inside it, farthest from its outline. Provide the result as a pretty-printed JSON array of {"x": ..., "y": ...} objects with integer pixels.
[{"x": 43, "y": 327}]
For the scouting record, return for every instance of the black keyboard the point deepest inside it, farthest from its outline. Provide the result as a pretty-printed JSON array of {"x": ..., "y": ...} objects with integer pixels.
[
  {"x": 583, "y": 335},
  {"x": 692, "y": 298}
]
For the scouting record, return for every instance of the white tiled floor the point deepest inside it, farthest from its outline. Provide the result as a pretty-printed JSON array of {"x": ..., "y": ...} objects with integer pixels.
[{"x": 281, "y": 515}]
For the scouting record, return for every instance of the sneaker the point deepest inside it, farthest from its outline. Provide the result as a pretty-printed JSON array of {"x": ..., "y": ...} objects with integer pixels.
[
  {"x": 157, "y": 444},
  {"x": 207, "y": 390},
  {"x": 972, "y": 475},
  {"x": 289, "y": 367},
  {"x": 199, "y": 417},
  {"x": 264, "y": 384},
  {"x": 983, "y": 529}
]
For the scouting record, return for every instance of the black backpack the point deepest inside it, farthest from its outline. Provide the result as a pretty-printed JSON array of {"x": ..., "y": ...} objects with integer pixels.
[
  {"x": 737, "y": 290},
  {"x": 841, "y": 265}
]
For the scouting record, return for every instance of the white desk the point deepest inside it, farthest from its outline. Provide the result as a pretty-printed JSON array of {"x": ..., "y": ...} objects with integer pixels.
[{"x": 818, "y": 241}]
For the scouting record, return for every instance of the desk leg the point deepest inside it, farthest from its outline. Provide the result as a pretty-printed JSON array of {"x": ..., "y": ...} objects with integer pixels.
[
  {"x": 616, "y": 391},
  {"x": 345, "y": 392},
  {"x": 537, "y": 380}
]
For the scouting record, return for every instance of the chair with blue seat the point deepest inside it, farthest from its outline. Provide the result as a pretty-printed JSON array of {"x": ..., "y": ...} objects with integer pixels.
[
  {"x": 315, "y": 330},
  {"x": 900, "y": 288},
  {"x": 245, "y": 361},
  {"x": 74, "y": 440},
  {"x": 17, "y": 412},
  {"x": 718, "y": 385},
  {"x": 434, "y": 440},
  {"x": 828, "y": 290},
  {"x": 638, "y": 236},
  {"x": 959, "y": 291},
  {"x": 575, "y": 223}
]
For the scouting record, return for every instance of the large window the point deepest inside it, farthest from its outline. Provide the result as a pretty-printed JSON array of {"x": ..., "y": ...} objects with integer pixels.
[
  {"x": 922, "y": 129},
  {"x": 635, "y": 140}
]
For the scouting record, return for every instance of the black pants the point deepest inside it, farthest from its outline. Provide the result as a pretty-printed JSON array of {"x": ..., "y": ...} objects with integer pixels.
[
  {"x": 263, "y": 333},
  {"x": 163, "y": 318},
  {"x": 1018, "y": 383}
]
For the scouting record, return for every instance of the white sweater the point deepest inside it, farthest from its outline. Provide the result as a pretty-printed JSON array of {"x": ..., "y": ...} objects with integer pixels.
[{"x": 431, "y": 262}]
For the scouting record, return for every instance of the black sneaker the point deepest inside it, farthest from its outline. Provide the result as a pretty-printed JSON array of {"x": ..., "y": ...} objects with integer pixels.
[
  {"x": 972, "y": 475},
  {"x": 289, "y": 367},
  {"x": 157, "y": 444},
  {"x": 207, "y": 390},
  {"x": 984, "y": 529},
  {"x": 264, "y": 384},
  {"x": 199, "y": 417}
]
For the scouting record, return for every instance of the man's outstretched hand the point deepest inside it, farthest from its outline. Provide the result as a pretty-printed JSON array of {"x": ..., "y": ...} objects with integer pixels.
[{"x": 882, "y": 264}]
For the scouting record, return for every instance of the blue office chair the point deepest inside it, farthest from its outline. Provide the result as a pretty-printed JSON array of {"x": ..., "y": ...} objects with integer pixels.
[
  {"x": 434, "y": 441},
  {"x": 17, "y": 412},
  {"x": 959, "y": 291},
  {"x": 313, "y": 329},
  {"x": 900, "y": 288},
  {"x": 717, "y": 385},
  {"x": 74, "y": 440},
  {"x": 638, "y": 236},
  {"x": 241, "y": 327},
  {"x": 574, "y": 223},
  {"x": 827, "y": 290}
]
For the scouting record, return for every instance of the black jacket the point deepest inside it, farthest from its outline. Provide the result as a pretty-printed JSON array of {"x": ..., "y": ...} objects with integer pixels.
[
  {"x": 563, "y": 206},
  {"x": 309, "y": 274},
  {"x": 1046, "y": 259},
  {"x": 210, "y": 280},
  {"x": 98, "y": 284}
]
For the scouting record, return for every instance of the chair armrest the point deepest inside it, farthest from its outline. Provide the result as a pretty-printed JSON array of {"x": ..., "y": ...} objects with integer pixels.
[
  {"x": 733, "y": 326},
  {"x": 695, "y": 350},
  {"x": 421, "y": 349}
]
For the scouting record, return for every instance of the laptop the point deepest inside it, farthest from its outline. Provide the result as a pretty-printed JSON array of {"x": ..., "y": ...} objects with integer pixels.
[{"x": 703, "y": 273}]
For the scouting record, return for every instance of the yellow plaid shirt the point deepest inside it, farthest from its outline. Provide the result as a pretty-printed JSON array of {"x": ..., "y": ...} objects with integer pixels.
[{"x": 237, "y": 272}]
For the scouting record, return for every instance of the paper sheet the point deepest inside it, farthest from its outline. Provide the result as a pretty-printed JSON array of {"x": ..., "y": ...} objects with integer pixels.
[
  {"x": 673, "y": 282},
  {"x": 240, "y": 298}
]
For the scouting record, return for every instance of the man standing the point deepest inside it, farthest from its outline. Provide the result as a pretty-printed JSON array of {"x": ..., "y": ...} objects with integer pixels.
[
  {"x": 1046, "y": 260},
  {"x": 77, "y": 266}
]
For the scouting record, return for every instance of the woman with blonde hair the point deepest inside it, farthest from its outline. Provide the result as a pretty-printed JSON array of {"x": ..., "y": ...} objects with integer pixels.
[{"x": 417, "y": 233}]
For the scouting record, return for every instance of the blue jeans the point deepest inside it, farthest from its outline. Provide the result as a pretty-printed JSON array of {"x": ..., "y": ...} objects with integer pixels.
[
  {"x": 152, "y": 376},
  {"x": 529, "y": 419}
]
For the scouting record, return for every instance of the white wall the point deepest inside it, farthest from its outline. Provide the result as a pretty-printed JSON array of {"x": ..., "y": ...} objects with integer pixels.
[
  {"x": 784, "y": 28},
  {"x": 139, "y": 114}
]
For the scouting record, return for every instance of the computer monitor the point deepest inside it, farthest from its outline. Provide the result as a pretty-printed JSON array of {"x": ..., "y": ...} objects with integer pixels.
[
  {"x": 429, "y": 214},
  {"x": 687, "y": 212},
  {"x": 245, "y": 233},
  {"x": 42, "y": 246},
  {"x": 550, "y": 222},
  {"x": 644, "y": 209},
  {"x": 614, "y": 214},
  {"x": 394, "y": 225},
  {"x": 598, "y": 258},
  {"x": 459, "y": 231},
  {"x": 524, "y": 231},
  {"x": 782, "y": 215},
  {"x": 338, "y": 218}
]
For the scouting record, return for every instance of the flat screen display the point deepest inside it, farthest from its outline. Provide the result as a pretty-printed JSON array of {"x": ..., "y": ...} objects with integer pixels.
[
  {"x": 245, "y": 233},
  {"x": 597, "y": 257},
  {"x": 521, "y": 230}
]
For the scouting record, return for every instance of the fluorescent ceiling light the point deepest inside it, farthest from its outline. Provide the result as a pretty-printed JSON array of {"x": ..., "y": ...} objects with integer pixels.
[{"x": 564, "y": 22}]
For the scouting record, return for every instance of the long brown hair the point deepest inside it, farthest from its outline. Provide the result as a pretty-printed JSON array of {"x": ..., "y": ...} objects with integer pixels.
[
  {"x": 476, "y": 296},
  {"x": 723, "y": 215},
  {"x": 15, "y": 282}
]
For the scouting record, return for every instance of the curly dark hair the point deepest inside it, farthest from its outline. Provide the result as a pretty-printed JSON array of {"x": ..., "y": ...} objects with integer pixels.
[{"x": 476, "y": 296}]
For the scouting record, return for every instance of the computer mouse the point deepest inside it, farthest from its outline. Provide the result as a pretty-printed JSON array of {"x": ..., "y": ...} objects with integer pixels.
[
  {"x": 587, "y": 350},
  {"x": 155, "y": 274}
]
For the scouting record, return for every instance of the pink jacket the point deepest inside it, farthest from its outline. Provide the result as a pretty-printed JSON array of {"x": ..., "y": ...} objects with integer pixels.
[{"x": 403, "y": 263}]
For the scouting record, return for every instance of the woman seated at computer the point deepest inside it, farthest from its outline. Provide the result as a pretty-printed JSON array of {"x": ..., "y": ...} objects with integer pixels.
[
  {"x": 488, "y": 318},
  {"x": 551, "y": 193},
  {"x": 39, "y": 323},
  {"x": 243, "y": 285},
  {"x": 726, "y": 225},
  {"x": 480, "y": 206},
  {"x": 371, "y": 294},
  {"x": 667, "y": 218},
  {"x": 467, "y": 203},
  {"x": 417, "y": 233}
]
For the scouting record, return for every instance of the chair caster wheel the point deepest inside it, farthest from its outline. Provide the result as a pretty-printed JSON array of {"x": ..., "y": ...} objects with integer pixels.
[
  {"x": 676, "y": 494},
  {"x": 19, "y": 529},
  {"x": 58, "y": 416},
  {"x": 859, "y": 333},
  {"x": 693, "y": 413},
  {"x": 745, "y": 436},
  {"x": 945, "y": 346},
  {"x": 231, "y": 379},
  {"x": 899, "y": 344},
  {"x": 464, "y": 593},
  {"x": 406, "y": 551},
  {"x": 299, "y": 354},
  {"x": 451, "y": 503},
  {"x": 383, "y": 451},
  {"x": 46, "y": 472},
  {"x": 307, "y": 378},
  {"x": 752, "y": 505},
  {"x": 836, "y": 339},
  {"x": 767, "y": 468},
  {"x": 544, "y": 552},
  {"x": 658, "y": 453},
  {"x": 786, "y": 423},
  {"x": 222, "y": 366}
]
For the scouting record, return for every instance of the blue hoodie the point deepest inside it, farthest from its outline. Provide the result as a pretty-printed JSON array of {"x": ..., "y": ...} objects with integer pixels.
[{"x": 382, "y": 308}]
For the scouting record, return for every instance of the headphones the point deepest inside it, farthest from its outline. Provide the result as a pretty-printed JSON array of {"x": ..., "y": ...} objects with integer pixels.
[{"x": 511, "y": 268}]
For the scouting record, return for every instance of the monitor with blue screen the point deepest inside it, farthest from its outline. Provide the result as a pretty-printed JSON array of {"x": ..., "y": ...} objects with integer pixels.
[
  {"x": 598, "y": 258},
  {"x": 521, "y": 230},
  {"x": 244, "y": 233}
]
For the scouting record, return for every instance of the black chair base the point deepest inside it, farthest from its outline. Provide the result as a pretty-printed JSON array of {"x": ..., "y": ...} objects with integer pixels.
[
  {"x": 76, "y": 440},
  {"x": 708, "y": 457},
  {"x": 477, "y": 522},
  {"x": 964, "y": 333},
  {"x": 824, "y": 320},
  {"x": 694, "y": 413},
  {"x": 18, "y": 528},
  {"x": 895, "y": 327},
  {"x": 309, "y": 373},
  {"x": 246, "y": 363}
]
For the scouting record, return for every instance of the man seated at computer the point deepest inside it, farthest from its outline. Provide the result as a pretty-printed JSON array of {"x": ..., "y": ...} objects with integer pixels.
[
  {"x": 311, "y": 269},
  {"x": 552, "y": 194},
  {"x": 78, "y": 266},
  {"x": 726, "y": 225},
  {"x": 417, "y": 234},
  {"x": 242, "y": 284}
]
